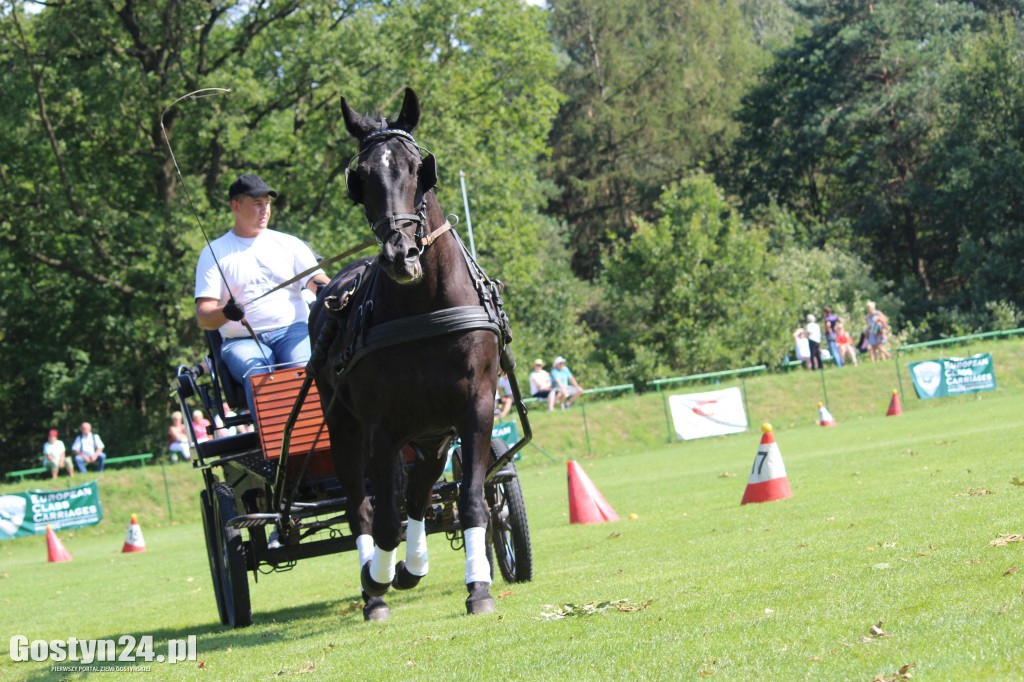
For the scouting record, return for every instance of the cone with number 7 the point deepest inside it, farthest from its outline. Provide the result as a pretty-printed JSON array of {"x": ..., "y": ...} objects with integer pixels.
[{"x": 768, "y": 475}]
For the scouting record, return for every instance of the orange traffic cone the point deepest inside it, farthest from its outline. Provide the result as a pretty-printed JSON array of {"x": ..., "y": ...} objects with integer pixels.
[
  {"x": 133, "y": 541},
  {"x": 54, "y": 547},
  {"x": 825, "y": 417},
  {"x": 768, "y": 475},
  {"x": 894, "y": 405},
  {"x": 586, "y": 504}
]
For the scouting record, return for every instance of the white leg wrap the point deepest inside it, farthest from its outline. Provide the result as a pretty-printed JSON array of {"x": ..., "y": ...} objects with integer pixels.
[
  {"x": 364, "y": 545},
  {"x": 477, "y": 568},
  {"x": 416, "y": 548},
  {"x": 383, "y": 567}
]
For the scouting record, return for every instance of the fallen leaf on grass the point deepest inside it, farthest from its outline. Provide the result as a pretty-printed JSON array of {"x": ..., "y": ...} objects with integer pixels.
[
  {"x": 308, "y": 668},
  {"x": 504, "y": 594},
  {"x": 1016, "y": 481},
  {"x": 1006, "y": 538},
  {"x": 614, "y": 535},
  {"x": 202, "y": 665},
  {"x": 707, "y": 669},
  {"x": 726, "y": 474},
  {"x": 877, "y": 631},
  {"x": 902, "y": 674},
  {"x": 1010, "y": 571},
  {"x": 588, "y": 609},
  {"x": 978, "y": 492}
]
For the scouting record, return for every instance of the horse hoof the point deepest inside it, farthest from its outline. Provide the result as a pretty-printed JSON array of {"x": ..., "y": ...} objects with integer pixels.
[
  {"x": 480, "y": 599},
  {"x": 404, "y": 580},
  {"x": 371, "y": 586},
  {"x": 375, "y": 609}
]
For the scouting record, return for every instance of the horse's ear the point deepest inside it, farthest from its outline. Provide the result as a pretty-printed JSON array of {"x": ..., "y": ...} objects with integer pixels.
[
  {"x": 355, "y": 186},
  {"x": 355, "y": 124},
  {"x": 410, "y": 116},
  {"x": 428, "y": 173}
]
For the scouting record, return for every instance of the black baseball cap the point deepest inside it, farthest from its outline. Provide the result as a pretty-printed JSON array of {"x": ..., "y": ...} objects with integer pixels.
[{"x": 252, "y": 185}]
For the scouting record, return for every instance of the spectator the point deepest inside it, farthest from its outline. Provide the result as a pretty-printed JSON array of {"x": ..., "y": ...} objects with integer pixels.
[
  {"x": 844, "y": 342},
  {"x": 260, "y": 328},
  {"x": 831, "y": 320},
  {"x": 201, "y": 426},
  {"x": 540, "y": 384},
  {"x": 814, "y": 340},
  {"x": 55, "y": 455},
  {"x": 88, "y": 449},
  {"x": 802, "y": 347},
  {"x": 564, "y": 382},
  {"x": 177, "y": 438},
  {"x": 503, "y": 397},
  {"x": 877, "y": 325}
]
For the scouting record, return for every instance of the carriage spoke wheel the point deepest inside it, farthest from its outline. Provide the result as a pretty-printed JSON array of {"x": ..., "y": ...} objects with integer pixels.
[
  {"x": 213, "y": 553},
  {"x": 234, "y": 581},
  {"x": 509, "y": 529}
]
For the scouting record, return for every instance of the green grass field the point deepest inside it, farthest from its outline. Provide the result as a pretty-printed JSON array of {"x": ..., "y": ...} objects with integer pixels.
[{"x": 890, "y": 523}]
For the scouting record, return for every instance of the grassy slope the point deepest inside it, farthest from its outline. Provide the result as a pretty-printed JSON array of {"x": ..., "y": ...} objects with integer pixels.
[{"x": 890, "y": 521}]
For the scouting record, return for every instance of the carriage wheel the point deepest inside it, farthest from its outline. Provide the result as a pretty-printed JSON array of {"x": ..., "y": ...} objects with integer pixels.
[
  {"x": 235, "y": 582},
  {"x": 213, "y": 553},
  {"x": 509, "y": 529}
]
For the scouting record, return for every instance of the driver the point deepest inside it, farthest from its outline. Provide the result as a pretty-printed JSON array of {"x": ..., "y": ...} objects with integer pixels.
[{"x": 251, "y": 260}]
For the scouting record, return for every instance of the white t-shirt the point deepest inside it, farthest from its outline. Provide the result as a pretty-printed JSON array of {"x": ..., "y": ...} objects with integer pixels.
[
  {"x": 814, "y": 332},
  {"x": 253, "y": 266},
  {"x": 540, "y": 380}
]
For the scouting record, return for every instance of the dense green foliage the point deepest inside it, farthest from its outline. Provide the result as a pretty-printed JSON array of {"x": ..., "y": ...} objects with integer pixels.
[{"x": 664, "y": 187}]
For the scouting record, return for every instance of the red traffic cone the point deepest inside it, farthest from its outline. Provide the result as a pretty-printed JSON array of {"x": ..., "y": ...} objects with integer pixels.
[
  {"x": 133, "y": 541},
  {"x": 586, "y": 504},
  {"x": 768, "y": 475},
  {"x": 55, "y": 551},
  {"x": 825, "y": 417},
  {"x": 894, "y": 405}
]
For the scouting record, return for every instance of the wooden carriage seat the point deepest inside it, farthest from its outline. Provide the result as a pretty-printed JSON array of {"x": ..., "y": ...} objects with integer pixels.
[{"x": 274, "y": 394}]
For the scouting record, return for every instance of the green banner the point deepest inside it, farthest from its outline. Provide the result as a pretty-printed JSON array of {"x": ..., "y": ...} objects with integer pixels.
[
  {"x": 953, "y": 376},
  {"x": 23, "y": 514}
]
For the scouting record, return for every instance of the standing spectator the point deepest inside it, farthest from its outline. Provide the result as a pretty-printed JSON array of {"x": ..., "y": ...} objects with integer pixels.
[
  {"x": 831, "y": 320},
  {"x": 88, "y": 449},
  {"x": 177, "y": 438},
  {"x": 845, "y": 344},
  {"x": 565, "y": 383},
  {"x": 802, "y": 347},
  {"x": 55, "y": 455},
  {"x": 502, "y": 396},
  {"x": 201, "y": 426},
  {"x": 814, "y": 339},
  {"x": 877, "y": 327},
  {"x": 540, "y": 384}
]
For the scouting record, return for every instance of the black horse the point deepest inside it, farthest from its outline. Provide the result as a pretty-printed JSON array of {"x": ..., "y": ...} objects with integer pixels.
[{"x": 406, "y": 356}]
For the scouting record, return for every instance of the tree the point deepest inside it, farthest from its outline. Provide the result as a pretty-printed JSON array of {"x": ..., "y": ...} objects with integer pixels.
[
  {"x": 688, "y": 292},
  {"x": 650, "y": 86},
  {"x": 98, "y": 237}
]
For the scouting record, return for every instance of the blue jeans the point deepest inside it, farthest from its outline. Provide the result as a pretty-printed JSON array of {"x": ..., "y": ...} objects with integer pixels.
[
  {"x": 833, "y": 348},
  {"x": 284, "y": 346},
  {"x": 101, "y": 461}
]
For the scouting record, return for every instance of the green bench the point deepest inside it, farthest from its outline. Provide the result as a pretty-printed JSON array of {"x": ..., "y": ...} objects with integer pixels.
[{"x": 124, "y": 459}]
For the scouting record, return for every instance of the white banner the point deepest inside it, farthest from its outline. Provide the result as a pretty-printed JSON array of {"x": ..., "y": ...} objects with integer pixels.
[{"x": 717, "y": 413}]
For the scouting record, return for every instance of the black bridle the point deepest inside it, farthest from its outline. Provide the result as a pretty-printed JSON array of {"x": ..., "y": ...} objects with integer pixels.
[{"x": 391, "y": 220}]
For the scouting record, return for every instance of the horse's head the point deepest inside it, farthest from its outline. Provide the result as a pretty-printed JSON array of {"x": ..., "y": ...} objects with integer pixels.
[{"x": 391, "y": 180}]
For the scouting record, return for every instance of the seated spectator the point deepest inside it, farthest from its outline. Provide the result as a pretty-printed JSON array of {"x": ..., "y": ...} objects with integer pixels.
[
  {"x": 503, "y": 397},
  {"x": 844, "y": 342},
  {"x": 178, "y": 439},
  {"x": 200, "y": 425},
  {"x": 565, "y": 383},
  {"x": 55, "y": 455},
  {"x": 88, "y": 449},
  {"x": 541, "y": 385},
  {"x": 803, "y": 347}
]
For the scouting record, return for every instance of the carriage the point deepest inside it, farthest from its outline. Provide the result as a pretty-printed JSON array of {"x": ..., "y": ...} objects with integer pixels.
[{"x": 351, "y": 448}]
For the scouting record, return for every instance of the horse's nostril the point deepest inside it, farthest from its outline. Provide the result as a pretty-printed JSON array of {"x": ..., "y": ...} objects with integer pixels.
[{"x": 412, "y": 254}]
